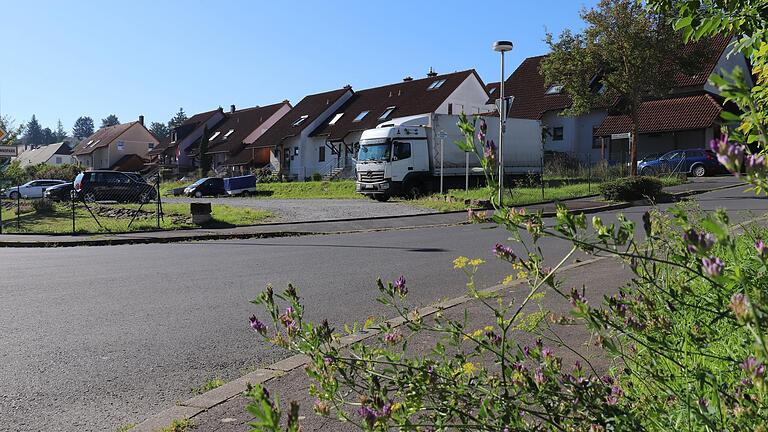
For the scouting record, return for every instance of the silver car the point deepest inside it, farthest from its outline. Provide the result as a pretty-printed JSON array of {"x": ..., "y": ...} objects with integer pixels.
[{"x": 30, "y": 189}]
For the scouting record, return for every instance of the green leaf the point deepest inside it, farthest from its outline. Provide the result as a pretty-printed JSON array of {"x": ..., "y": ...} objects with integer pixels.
[
  {"x": 683, "y": 22},
  {"x": 729, "y": 116}
]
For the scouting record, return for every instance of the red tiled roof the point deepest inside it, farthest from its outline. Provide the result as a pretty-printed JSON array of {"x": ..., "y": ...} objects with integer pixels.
[
  {"x": 408, "y": 97},
  {"x": 666, "y": 115},
  {"x": 101, "y": 138},
  {"x": 129, "y": 163},
  {"x": 190, "y": 125},
  {"x": 526, "y": 83},
  {"x": 242, "y": 123}
]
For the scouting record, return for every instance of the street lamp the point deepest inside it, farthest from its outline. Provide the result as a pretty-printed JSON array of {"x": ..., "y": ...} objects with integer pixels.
[{"x": 502, "y": 47}]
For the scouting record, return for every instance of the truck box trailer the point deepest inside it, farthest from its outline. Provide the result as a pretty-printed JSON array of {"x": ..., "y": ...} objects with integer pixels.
[{"x": 403, "y": 156}]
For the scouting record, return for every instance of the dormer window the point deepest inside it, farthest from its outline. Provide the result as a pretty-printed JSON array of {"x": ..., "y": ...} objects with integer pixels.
[
  {"x": 436, "y": 84},
  {"x": 492, "y": 90},
  {"x": 554, "y": 89},
  {"x": 361, "y": 116},
  {"x": 387, "y": 112},
  {"x": 300, "y": 120},
  {"x": 335, "y": 118},
  {"x": 226, "y": 135},
  {"x": 173, "y": 137},
  {"x": 213, "y": 137}
]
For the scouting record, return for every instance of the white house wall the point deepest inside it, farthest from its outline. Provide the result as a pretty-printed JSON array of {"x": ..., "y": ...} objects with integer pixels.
[
  {"x": 470, "y": 97},
  {"x": 577, "y": 134},
  {"x": 727, "y": 63}
]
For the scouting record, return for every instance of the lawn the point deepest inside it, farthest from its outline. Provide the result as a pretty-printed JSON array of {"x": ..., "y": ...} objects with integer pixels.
[
  {"x": 117, "y": 217},
  {"x": 293, "y": 190}
]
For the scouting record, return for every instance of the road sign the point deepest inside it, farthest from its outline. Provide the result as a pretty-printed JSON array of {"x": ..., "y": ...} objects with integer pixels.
[
  {"x": 8, "y": 151},
  {"x": 2, "y": 133}
]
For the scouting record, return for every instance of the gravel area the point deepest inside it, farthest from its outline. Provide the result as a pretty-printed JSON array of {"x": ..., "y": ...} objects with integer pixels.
[{"x": 302, "y": 210}]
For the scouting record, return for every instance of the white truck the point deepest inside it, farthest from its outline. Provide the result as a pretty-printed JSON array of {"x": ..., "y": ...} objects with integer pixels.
[{"x": 402, "y": 156}]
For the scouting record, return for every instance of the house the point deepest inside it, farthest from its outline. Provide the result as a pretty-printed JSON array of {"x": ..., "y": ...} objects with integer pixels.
[
  {"x": 51, "y": 154},
  {"x": 108, "y": 145},
  {"x": 687, "y": 118},
  {"x": 281, "y": 147},
  {"x": 333, "y": 144},
  {"x": 239, "y": 129},
  {"x": 174, "y": 150}
]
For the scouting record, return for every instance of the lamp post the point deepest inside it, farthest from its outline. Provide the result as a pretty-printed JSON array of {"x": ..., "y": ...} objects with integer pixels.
[{"x": 502, "y": 47}]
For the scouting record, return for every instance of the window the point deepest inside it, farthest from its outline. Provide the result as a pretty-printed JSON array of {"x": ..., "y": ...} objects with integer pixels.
[
  {"x": 335, "y": 118},
  {"x": 436, "y": 84},
  {"x": 492, "y": 90},
  {"x": 173, "y": 137},
  {"x": 321, "y": 155},
  {"x": 120, "y": 145},
  {"x": 402, "y": 150},
  {"x": 450, "y": 108},
  {"x": 361, "y": 116},
  {"x": 557, "y": 134},
  {"x": 58, "y": 159},
  {"x": 226, "y": 135},
  {"x": 386, "y": 113},
  {"x": 554, "y": 89},
  {"x": 150, "y": 145},
  {"x": 295, "y": 151},
  {"x": 300, "y": 120},
  {"x": 213, "y": 137}
]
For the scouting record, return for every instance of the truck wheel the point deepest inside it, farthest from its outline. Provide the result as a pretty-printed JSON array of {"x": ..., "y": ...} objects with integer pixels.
[
  {"x": 413, "y": 191},
  {"x": 380, "y": 197}
]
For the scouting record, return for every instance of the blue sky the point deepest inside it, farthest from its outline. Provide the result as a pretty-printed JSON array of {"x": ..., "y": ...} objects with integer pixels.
[{"x": 61, "y": 60}]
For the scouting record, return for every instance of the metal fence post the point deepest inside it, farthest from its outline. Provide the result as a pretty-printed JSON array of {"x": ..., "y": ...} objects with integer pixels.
[
  {"x": 1, "y": 214},
  {"x": 589, "y": 173},
  {"x": 72, "y": 196},
  {"x": 159, "y": 207},
  {"x": 541, "y": 176},
  {"x": 18, "y": 207}
]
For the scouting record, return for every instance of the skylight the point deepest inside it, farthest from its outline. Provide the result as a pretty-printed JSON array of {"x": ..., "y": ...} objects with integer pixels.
[
  {"x": 300, "y": 120},
  {"x": 492, "y": 90},
  {"x": 213, "y": 137},
  {"x": 436, "y": 84},
  {"x": 554, "y": 89},
  {"x": 361, "y": 116},
  {"x": 386, "y": 112},
  {"x": 335, "y": 118},
  {"x": 226, "y": 135}
]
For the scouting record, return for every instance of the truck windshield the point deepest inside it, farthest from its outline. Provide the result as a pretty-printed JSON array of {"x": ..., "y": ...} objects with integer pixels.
[{"x": 374, "y": 152}]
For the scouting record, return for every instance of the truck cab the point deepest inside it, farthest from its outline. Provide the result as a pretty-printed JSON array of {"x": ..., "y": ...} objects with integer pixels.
[{"x": 392, "y": 160}]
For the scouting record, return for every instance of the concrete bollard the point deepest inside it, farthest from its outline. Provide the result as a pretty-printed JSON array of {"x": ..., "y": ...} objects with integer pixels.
[{"x": 201, "y": 213}]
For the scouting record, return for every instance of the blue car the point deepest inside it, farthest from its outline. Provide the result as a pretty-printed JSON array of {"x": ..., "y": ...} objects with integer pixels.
[{"x": 696, "y": 162}]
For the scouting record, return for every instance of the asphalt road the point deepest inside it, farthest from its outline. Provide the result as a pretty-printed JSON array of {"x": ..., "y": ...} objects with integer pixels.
[{"x": 95, "y": 338}]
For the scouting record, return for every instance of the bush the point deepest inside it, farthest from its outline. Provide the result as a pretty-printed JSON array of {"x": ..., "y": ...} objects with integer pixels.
[
  {"x": 317, "y": 176},
  {"x": 43, "y": 206},
  {"x": 631, "y": 188}
]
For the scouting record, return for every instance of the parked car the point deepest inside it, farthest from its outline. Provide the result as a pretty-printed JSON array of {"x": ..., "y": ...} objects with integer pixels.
[
  {"x": 61, "y": 192},
  {"x": 30, "y": 189},
  {"x": 696, "y": 162},
  {"x": 207, "y": 186},
  {"x": 106, "y": 185}
]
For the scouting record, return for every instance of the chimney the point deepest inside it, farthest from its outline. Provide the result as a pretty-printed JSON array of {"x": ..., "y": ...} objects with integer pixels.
[
  {"x": 348, "y": 87},
  {"x": 408, "y": 78},
  {"x": 431, "y": 73},
  {"x": 232, "y": 108},
  {"x": 141, "y": 120}
]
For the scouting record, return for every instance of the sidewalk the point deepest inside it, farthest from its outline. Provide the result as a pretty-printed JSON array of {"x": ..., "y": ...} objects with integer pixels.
[
  {"x": 224, "y": 409},
  {"x": 587, "y": 204}
]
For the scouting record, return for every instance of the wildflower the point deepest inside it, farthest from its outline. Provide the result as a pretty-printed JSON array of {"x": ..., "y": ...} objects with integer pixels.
[
  {"x": 504, "y": 252},
  {"x": 546, "y": 353},
  {"x": 257, "y": 325},
  {"x": 698, "y": 242},
  {"x": 460, "y": 262},
  {"x": 712, "y": 266},
  {"x": 468, "y": 368},
  {"x": 493, "y": 337},
  {"x": 703, "y": 403},
  {"x": 482, "y": 130},
  {"x": 729, "y": 154},
  {"x": 327, "y": 360},
  {"x": 393, "y": 338},
  {"x": 538, "y": 377},
  {"x": 616, "y": 394},
  {"x": 489, "y": 150},
  {"x": 755, "y": 164},
  {"x": 739, "y": 305},
  {"x": 322, "y": 408},
  {"x": 476, "y": 262},
  {"x": 762, "y": 251},
  {"x": 754, "y": 368},
  {"x": 399, "y": 286},
  {"x": 577, "y": 298},
  {"x": 368, "y": 414},
  {"x": 508, "y": 280}
]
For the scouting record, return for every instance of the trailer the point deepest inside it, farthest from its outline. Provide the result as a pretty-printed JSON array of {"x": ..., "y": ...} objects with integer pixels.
[{"x": 241, "y": 185}]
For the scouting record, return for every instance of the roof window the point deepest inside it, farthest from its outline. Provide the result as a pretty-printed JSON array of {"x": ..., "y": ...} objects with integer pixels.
[
  {"x": 213, "y": 137},
  {"x": 554, "y": 89},
  {"x": 226, "y": 135},
  {"x": 492, "y": 90},
  {"x": 335, "y": 118},
  {"x": 436, "y": 84},
  {"x": 300, "y": 120},
  {"x": 361, "y": 116},
  {"x": 386, "y": 113}
]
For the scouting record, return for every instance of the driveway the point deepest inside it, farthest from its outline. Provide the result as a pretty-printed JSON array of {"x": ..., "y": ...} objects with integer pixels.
[{"x": 303, "y": 210}]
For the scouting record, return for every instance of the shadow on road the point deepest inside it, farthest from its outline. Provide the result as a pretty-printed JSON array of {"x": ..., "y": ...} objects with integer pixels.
[{"x": 228, "y": 243}]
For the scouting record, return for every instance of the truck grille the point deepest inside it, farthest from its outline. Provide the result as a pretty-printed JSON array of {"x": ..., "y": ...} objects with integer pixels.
[{"x": 371, "y": 176}]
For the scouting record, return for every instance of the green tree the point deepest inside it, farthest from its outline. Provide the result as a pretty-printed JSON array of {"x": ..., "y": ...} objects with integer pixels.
[
  {"x": 83, "y": 128},
  {"x": 12, "y": 132},
  {"x": 205, "y": 158},
  {"x": 33, "y": 133},
  {"x": 111, "y": 120},
  {"x": 48, "y": 136},
  {"x": 625, "y": 51},
  {"x": 177, "y": 119},
  {"x": 60, "y": 133},
  {"x": 159, "y": 130}
]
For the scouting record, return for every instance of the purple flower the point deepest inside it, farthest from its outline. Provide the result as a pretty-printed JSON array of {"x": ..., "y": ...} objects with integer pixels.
[
  {"x": 393, "y": 338},
  {"x": 762, "y": 251},
  {"x": 327, "y": 360},
  {"x": 399, "y": 286},
  {"x": 483, "y": 126},
  {"x": 755, "y": 163},
  {"x": 538, "y": 377},
  {"x": 712, "y": 266},
  {"x": 616, "y": 394},
  {"x": 698, "y": 242},
  {"x": 739, "y": 305},
  {"x": 493, "y": 338},
  {"x": 368, "y": 414},
  {"x": 754, "y": 368},
  {"x": 504, "y": 252},
  {"x": 703, "y": 403},
  {"x": 257, "y": 325},
  {"x": 489, "y": 150},
  {"x": 526, "y": 351},
  {"x": 546, "y": 353},
  {"x": 729, "y": 154}
]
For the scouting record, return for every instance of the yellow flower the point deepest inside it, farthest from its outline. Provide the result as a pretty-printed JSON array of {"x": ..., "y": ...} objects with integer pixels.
[
  {"x": 488, "y": 328},
  {"x": 397, "y": 406},
  {"x": 522, "y": 275},
  {"x": 475, "y": 334},
  {"x": 508, "y": 280},
  {"x": 460, "y": 262},
  {"x": 468, "y": 368},
  {"x": 476, "y": 262}
]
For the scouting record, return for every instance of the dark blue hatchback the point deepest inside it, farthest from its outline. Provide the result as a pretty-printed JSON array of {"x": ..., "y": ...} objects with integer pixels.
[{"x": 696, "y": 162}]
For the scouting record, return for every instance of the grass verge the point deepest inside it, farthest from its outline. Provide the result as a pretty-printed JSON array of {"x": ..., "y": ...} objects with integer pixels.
[
  {"x": 179, "y": 425},
  {"x": 208, "y": 386},
  {"x": 293, "y": 190}
]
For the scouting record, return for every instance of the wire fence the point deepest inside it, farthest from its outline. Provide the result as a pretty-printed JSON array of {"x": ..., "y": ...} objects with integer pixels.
[{"x": 95, "y": 202}]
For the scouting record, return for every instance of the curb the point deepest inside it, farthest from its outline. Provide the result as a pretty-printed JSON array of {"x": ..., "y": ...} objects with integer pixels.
[{"x": 201, "y": 403}]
